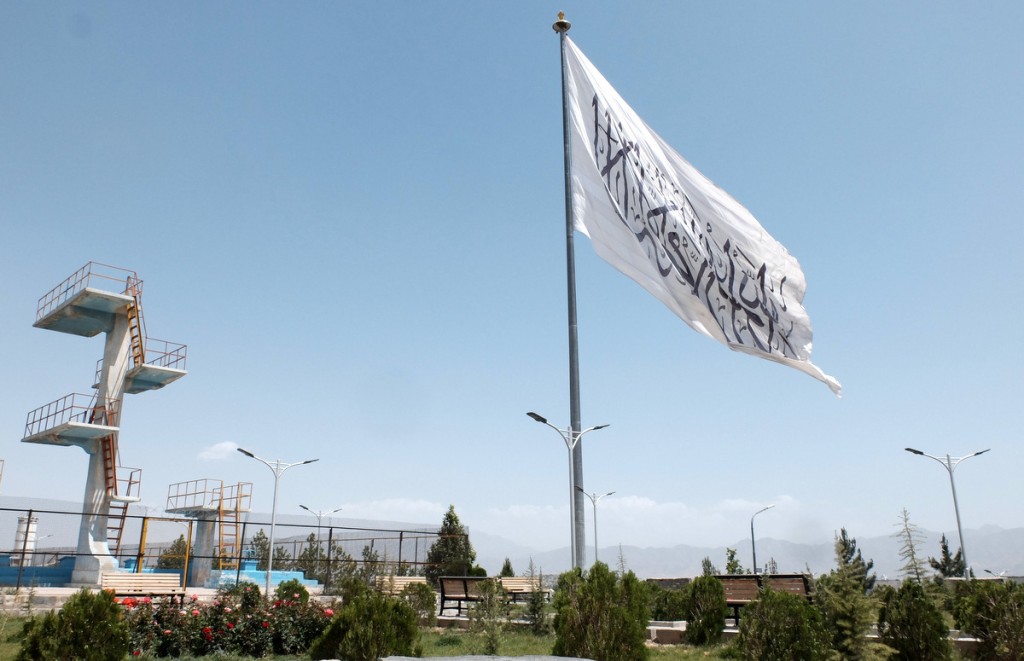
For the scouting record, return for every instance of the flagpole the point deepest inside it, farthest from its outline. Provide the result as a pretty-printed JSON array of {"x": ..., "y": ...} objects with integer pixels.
[{"x": 576, "y": 513}]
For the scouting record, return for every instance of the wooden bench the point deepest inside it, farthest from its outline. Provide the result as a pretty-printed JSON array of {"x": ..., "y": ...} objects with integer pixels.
[
  {"x": 393, "y": 585},
  {"x": 741, "y": 589},
  {"x": 522, "y": 587},
  {"x": 460, "y": 589},
  {"x": 125, "y": 584}
]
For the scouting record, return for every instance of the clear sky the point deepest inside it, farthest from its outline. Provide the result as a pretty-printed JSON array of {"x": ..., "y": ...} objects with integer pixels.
[{"x": 353, "y": 214}]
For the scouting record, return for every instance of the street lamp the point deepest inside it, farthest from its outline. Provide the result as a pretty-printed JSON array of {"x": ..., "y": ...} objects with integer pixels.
[
  {"x": 594, "y": 498},
  {"x": 319, "y": 515},
  {"x": 950, "y": 463},
  {"x": 278, "y": 467},
  {"x": 753, "y": 546},
  {"x": 576, "y": 525}
]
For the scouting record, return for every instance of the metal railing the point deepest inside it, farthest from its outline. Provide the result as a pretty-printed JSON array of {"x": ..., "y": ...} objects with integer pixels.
[
  {"x": 76, "y": 407},
  {"x": 94, "y": 274}
]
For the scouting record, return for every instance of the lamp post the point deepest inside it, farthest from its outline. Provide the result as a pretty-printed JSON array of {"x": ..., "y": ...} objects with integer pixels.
[
  {"x": 594, "y": 498},
  {"x": 319, "y": 515},
  {"x": 278, "y": 467},
  {"x": 950, "y": 463},
  {"x": 753, "y": 545},
  {"x": 576, "y": 525}
]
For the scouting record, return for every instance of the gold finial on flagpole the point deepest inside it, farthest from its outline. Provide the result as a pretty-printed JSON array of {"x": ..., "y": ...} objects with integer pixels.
[{"x": 561, "y": 25}]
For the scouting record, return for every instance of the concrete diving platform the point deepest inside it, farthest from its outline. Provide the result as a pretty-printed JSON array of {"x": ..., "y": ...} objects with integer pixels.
[
  {"x": 150, "y": 377},
  {"x": 88, "y": 312},
  {"x": 74, "y": 419}
]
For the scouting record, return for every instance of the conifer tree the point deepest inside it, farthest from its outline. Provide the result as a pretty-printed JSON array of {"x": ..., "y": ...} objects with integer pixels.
[
  {"x": 849, "y": 556},
  {"x": 451, "y": 554},
  {"x": 913, "y": 566},
  {"x": 948, "y": 565}
]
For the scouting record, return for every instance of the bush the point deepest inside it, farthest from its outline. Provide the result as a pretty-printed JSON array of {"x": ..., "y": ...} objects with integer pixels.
[
  {"x": 423, "y": 600},
  {"x": 705, "y": 611},
  {"x": 599, "y": 615},
  {"x": 780, "y": 627},
  {"x": 667, "y": 604},
  {"x": 89, "y": 627},
  {"x": 536, "y": 602},
  {"x": 371, "y": 627},
  {"x": 911, "y": 623},
  {"x": 291, "y": 590},
  {"x": 489, "y": 615},
  {"x": 994, "y": 614}
]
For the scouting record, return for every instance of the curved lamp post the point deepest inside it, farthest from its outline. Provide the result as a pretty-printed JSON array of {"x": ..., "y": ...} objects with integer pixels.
[
  {"x": 319, "y": 515},
  {"x": 278, "y": 467},
  {"x": 753, "y": 546},
  {"x": 571, "y": 438},
  {"x": 594, "y": 498},
  {"x": 950, "y": 463}
]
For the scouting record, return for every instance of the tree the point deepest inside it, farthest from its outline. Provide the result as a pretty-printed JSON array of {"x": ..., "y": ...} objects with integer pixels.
[
  {"x": 261, "y": 545},
  {"x": 848, "y": 556},
  {"x": 841, "y": 597},
  {"x": 948, "y": 565},
  {"x": 911, "y": 623},
  {"x": 780, "y": 626},
  {"x": 601, "y": 615},
  {"x": 913, "y": 566},
  {"x": 451, "y": 554},
  {"x": 173, "y": 557},
  {"x": 311, "y": 560},
  {"x": 708, "y": 569},
  {"x": 506, "y": 569},
  {"x": 771, "y": 567},
  {"x": 732, "y": 563}
]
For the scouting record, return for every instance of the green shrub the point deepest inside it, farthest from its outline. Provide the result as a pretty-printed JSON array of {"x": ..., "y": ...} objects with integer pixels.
[
  {"x": 994, "y": 614},
  {"x": 667, "y": 604},
  {"x": 89, "y": 627},
  {"x": 423, "y": 600},
  {"x": 911, "y": 624},
  {"x": 370, "y": 627},
  {"x": 536, "y": 603},
  {"x": 488, "y": 616},
  {"x": 291, "y": 590},
  {"x": 599, "y": 615},
  {"x": 705, "y": 611},
  {"x": 780, "y": 627}
]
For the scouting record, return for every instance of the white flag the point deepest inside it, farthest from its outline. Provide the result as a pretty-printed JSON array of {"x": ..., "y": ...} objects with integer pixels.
[{"x": 653, "y": 216}]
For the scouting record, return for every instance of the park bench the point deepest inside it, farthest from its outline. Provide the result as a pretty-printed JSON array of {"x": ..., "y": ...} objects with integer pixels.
[
  {"x": 126, "y": 584},
  {"x": 459, "y": 589},
  {"x": 522, "y": 587},
  {"x": 393, "y": 585},
  {"x": 741, "y": 589}
]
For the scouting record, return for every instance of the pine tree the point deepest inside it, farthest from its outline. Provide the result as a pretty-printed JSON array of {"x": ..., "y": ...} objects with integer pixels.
[
  {"x": 506, "y": 569},
  {"x": 173, "y": 557},
  {"x": 451, "y": 554},
  {"x": 948, "y": 565},
  {"x": 842, "y": 599},
  {"x": 708, "y": 569},
  {"x": 848, "y": 555},
  {"x": 261, "y": 545},
  {"x": 913, "y": 566}
]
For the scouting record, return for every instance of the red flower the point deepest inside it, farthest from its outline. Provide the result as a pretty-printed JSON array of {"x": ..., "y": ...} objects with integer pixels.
[
  {"x": 137, "y": 653},
  {"x": 195, "y": 613},
  {"x": 231, "y": 625},
  {"x": 167, "y": 632},
  {"x": 328, "y": 612},
  {"x": 265, "y": 624}
]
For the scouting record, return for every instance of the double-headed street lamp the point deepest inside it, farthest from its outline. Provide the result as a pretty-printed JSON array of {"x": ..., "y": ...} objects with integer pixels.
[
  {"x": 319, "y": 515},
  {"x": 753, "y": 545},
  {"x": 576, "y": 525},
  {"x": 950, "y": 463},
  {"x": 278, "y": 467},
  {"x": 594, "y": 498}
]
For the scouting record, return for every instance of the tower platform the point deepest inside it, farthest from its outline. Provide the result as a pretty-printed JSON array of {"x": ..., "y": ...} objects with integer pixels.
[
  {"x": 74, "y": 419},
  {"x": 88, "y": 312}
]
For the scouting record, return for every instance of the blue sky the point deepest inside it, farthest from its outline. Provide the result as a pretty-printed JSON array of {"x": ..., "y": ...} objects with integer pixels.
[{"x": 353, "y": 214}]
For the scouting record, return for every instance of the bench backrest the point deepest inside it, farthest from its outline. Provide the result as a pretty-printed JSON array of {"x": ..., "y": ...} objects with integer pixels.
[
  {"x": 746, "y": 587},
  {"x": 521, "y": 584},
  {"x": 461, "y": 587},
  {"x": 123, "y": 580},
  {"x": 395, "y": 584}
]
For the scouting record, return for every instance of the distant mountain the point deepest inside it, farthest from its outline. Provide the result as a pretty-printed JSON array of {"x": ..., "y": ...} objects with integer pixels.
[{"x": 989, "y": 548}]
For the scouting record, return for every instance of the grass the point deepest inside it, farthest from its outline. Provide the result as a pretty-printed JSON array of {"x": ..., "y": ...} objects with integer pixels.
[{"x": 457, "y": 642}]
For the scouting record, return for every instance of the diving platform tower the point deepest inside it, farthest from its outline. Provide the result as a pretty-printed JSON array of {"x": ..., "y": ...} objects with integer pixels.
[
  {"x": 95, "y": 299},
  {"x": 217, "y": 509}
]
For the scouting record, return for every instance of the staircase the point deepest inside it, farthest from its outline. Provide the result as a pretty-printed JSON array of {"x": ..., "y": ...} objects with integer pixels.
[
  {"x": 233, "y": 501},
  {"x": 136, "y": 324}
]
